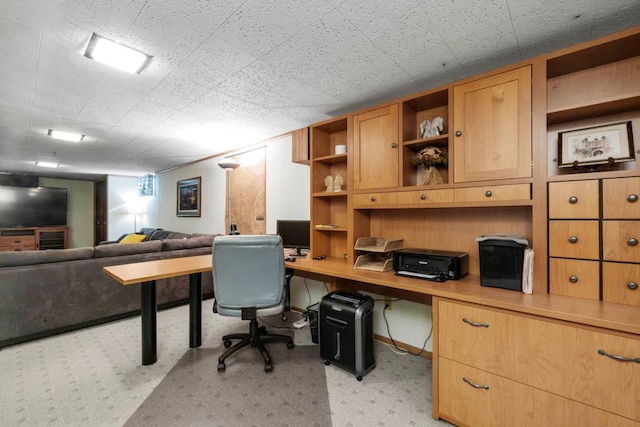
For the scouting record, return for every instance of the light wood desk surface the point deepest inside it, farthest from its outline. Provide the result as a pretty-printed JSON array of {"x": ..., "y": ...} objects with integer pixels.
[
  {"x": 130, "y": 274},
  {"x": 617, "y": 317}
]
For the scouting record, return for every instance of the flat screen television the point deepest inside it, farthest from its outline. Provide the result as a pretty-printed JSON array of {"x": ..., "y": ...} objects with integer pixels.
[
  {"x": 295, "y": 234},
  {"x": 32, "y": 207}
]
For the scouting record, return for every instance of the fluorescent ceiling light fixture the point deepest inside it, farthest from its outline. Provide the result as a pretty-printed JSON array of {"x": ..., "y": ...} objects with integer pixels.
[
  {"x": 47, "y": 164},
  {"x": 65, "y": 136},
  {"x": 116, "y": 55}
]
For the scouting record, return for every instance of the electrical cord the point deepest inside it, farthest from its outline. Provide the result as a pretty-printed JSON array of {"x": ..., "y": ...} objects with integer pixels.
[{"x": 402, "y": 350}]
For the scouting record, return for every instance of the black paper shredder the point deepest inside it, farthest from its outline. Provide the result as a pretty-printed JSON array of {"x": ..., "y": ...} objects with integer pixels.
[{"x": 346, "y": 332}]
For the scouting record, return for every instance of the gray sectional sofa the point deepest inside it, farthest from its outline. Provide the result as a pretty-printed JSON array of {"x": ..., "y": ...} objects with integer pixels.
[{"x": 48, "y": 292}]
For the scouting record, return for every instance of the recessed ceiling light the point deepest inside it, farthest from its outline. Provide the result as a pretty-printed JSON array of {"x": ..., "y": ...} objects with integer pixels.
[
  {"x": 47, "y": 164},
  {"x": 116, "y": 55},
  {"x": 65, "y": 136}
]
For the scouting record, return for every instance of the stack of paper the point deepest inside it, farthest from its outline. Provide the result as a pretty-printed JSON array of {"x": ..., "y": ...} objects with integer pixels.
[{"x": 527, "y": 271}]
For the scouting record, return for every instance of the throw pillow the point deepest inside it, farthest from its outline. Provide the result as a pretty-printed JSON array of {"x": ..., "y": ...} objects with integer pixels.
[{"x": 133, "y": 238}]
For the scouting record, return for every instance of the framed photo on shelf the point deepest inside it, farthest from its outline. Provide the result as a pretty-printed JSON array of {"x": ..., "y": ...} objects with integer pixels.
[
  {"x": 189, "y": 197},
  {"x": 596, "y": 145}
]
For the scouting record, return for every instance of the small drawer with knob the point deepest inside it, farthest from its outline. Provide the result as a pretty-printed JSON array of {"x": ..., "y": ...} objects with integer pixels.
[
  {"x": 574, "y": 278},
  {"x": 621, "y": 198},
  {"x": 621, "y": 283},
  {"x": 375, "y": 199},
  {"x": 620, "y": 241},
  {"x": 495, "y": 193},
  {"x": 425, "y": 197},
  {"x": 575, "y": 199},
  {"x": 574, "y": 239}
]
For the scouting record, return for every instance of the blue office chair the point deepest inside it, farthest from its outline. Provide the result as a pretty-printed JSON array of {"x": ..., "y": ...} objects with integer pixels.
[{"x": 249, "y": 282}]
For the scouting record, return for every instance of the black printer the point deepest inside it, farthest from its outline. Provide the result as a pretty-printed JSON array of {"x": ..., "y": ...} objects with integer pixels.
[{"x": 430, "y": 264}]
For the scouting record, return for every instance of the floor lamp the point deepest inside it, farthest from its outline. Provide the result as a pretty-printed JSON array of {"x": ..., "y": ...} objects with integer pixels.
[
  {"x": 134, "y": 207},
  {"x": 229, "y": 165}
]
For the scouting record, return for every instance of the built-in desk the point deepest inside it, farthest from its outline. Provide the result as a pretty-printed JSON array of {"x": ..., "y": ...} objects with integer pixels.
[{"x": 501, "y": 357}]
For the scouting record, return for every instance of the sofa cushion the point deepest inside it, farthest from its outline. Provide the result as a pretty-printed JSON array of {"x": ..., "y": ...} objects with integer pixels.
[
  {"x": 133, "y": 238},
  {"x": 194, "y": 242},
  {"x": 14, "y": 259},
  {"x": 104, "y": 251}
]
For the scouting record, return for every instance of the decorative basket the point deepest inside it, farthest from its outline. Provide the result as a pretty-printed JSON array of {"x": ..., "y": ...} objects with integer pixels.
[{"x": 375, "y": 244}]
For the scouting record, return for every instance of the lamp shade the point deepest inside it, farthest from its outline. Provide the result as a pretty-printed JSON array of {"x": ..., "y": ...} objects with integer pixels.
[{"x": 228, "y": 164}]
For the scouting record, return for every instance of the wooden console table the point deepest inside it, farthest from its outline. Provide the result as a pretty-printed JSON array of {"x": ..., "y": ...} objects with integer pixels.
[{"x": 146, "y": 273}]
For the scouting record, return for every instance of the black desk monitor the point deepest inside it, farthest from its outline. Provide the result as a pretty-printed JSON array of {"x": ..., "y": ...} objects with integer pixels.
[{"x": 295, "y": 234}]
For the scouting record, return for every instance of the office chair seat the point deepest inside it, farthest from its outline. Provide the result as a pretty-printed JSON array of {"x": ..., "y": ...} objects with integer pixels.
[{"x": 249, "y": 282}]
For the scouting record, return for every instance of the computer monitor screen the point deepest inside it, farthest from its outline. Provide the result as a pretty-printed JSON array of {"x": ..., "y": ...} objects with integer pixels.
[{"x": 295, "y": 234}]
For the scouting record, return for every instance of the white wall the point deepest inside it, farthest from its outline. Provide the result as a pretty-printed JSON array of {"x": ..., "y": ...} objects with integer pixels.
[{"x": 121, "y": 191}]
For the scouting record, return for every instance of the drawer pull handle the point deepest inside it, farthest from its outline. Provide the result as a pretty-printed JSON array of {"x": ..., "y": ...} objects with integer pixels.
[
  {"x": 573, "y": 200},
  {"x": 488, "y": 193},
  {"x": 618, "y": 357},
  {"x": 573, "y": 239},
  {"x": 373, "y": 198},
  {"x": 632, "y": 198},
  {"x": 632, "y": 285},
  {"x": 632, "y": 242},
  {"x": 573, "y": 279},
  {"x": 422, "y": 197},
  {"x": 472, "y": 323},
  {"x": 474, "y": 385}
]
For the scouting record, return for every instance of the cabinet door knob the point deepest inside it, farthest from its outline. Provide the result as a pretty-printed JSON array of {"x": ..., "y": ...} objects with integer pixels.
[
  {"x": 573, "y": 200},
  {"x": 573, "y": 239},
  {"x": 458, "y": 133},
  {"x": 632, "y": 198},
  {"x": 394, "y": 145},
  {"x": 488, "y": 193},
  {"x": 632, "y": 242},
  {"x": 423, "y": 197},
  {"x": 373, "y": 198},
  {"x": 573, "y": 279},
  {"x": 632, "y": 285}
]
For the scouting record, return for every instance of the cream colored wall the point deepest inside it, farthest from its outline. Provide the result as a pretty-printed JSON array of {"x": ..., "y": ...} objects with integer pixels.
[{"x": 80, "y": 211}]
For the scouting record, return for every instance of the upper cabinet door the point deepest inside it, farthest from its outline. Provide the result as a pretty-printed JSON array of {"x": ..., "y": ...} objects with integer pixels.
[
  {"x": 376, "y": 157},
  {"x": 492, "y": 127}
]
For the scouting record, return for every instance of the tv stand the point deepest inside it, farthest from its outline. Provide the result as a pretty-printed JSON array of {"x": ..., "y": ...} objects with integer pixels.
[{"x": 33, "y": 238}]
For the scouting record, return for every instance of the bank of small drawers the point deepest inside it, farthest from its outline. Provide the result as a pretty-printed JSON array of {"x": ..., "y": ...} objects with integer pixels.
[
  {"x": 519, "y": 357},
  {"x": 585, "y": 243}
]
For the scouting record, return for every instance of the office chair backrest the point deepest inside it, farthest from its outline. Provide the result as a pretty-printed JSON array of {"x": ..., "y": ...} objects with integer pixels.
[{"x": 248, "y": 271}]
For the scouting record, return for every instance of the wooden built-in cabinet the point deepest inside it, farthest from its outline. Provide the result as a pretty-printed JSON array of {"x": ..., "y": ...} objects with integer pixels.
[
  {"x": 501, "y": 136},
  {"x": 496, "y": 367},
  {"x": 33, "y": 238},
  {"x": 492, "y": 127},
  {"x": 376, "y": 148}
]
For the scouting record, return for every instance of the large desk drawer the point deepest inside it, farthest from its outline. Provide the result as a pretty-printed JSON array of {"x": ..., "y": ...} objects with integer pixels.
[
  {"x": 565, "y": 360},
  {"x": 473, "y": 397}
]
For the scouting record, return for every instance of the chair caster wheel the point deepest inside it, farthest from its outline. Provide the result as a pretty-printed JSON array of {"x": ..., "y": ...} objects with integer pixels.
[
  {"x": 268, "y": 367},
  {"x": 227, "y": 343},
  {"x": 326, "y": 362},
  {"x": 290, "y": 345},
  {"x": 221, "y": 367},
  {"x": 284, "y": 317},
  {"x": 359, "y": 378}
]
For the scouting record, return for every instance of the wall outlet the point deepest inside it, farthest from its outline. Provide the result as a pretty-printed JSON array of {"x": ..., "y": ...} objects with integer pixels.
[{"x": 387, "y": 303}]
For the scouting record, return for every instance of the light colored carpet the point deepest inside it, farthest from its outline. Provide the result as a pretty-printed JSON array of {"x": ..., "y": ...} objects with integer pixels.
[{"x": 94, "y": 376}]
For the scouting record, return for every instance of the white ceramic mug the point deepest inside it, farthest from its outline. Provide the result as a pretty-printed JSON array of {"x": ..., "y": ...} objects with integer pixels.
[{"x": 341, "y": 149}]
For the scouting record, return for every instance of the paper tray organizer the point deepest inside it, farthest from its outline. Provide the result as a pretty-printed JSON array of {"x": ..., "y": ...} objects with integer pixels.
[{"x": 381, "y": 256}]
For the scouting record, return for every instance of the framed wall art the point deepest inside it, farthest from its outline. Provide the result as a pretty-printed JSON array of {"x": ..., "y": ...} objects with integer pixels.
[
  {"x": 611, "y": 143},
  {"x": 189, "y": 197}
]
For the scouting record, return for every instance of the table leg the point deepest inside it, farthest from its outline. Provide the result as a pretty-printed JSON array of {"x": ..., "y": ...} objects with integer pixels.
[
  {"x": 149, "y": 337},
  {"x": 195, "y": 310},
  {"x": 289, "y": 273}
]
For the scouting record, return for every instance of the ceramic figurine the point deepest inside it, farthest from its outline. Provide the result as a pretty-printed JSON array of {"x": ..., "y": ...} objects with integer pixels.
[
  {"x": 337, "y": 183},
  {"x": 328, "y": 182}
]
